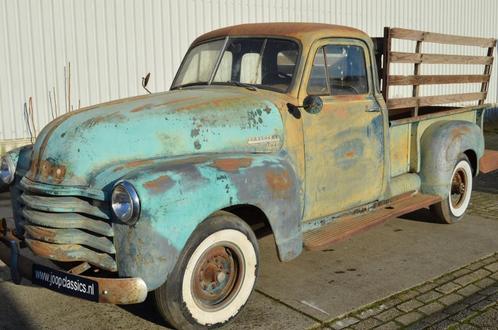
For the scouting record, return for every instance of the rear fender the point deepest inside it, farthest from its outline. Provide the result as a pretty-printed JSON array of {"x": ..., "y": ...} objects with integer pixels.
[
  {"x": 440, "y": 146},
  {"x": 178, "y": 195}
]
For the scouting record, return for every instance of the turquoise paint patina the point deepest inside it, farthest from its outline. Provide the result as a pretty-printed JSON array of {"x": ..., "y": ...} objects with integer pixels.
[
  {"x": 179, "y": 194},
  {"x": 189, "y": 154},
  {"x": 440, "y": 146},
  {"x": 196, "y": 121}
]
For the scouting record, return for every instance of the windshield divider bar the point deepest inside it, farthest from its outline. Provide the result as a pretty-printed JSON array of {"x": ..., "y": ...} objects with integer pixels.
[
  {"x": 218, "y": 61},
  {"x": 261, "y": 52}
]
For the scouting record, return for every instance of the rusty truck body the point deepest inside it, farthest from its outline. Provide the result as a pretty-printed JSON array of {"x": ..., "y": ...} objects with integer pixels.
[{"x": 286, "y": 128}]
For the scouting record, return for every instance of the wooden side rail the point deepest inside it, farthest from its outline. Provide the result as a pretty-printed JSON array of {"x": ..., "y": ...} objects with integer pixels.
[{"x": 419, "y": 58}]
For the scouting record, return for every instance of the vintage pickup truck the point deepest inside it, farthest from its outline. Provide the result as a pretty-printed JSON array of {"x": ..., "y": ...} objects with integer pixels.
[{"x": 278, "y": 128}]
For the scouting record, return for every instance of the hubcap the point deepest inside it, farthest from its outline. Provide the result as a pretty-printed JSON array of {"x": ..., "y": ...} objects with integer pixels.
[
  {"x": 217, "y": 277},
  {"x": 458, "y": 188}
]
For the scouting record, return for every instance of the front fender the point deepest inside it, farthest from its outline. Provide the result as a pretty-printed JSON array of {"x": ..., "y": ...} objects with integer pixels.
[
  {"x": 440, "y": 146},
  {"x": 177, "y": 195}
]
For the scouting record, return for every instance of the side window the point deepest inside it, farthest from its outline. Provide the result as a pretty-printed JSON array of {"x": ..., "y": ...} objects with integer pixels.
[
  {"x": 346, "y": 69},
  {"x": 317, "y": 85}
]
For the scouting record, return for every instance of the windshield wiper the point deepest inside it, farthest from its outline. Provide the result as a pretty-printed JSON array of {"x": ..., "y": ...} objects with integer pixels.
[
  {"x": 190, "y": 84},
  {"x": 241, "y": 84}
]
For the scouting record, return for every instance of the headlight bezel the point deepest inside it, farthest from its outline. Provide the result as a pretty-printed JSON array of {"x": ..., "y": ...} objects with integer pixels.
[
  {"x": 129, "y": 218},
  {"x": 11, "y": 170}
]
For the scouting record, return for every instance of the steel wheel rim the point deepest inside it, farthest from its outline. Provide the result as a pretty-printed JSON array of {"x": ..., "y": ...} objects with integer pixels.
[
  {"x": 458, "y": 189},
  {"x": 218, "y": 276}
]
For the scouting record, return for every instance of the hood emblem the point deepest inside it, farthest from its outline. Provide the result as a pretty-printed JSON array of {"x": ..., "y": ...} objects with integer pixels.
[{"x": 267, "y": 140}]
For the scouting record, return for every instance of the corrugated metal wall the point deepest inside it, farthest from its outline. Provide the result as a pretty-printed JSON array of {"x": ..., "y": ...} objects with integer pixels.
[{"x": 110, "y": 44}]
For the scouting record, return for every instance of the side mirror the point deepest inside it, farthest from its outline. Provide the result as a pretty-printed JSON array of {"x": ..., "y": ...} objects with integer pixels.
[
  {"x": 312, "y": 104},
  {"x": 145, "y": 82}
]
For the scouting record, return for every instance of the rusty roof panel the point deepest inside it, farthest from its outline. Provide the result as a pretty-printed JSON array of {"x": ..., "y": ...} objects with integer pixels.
[{"x": 305, "y": 32}]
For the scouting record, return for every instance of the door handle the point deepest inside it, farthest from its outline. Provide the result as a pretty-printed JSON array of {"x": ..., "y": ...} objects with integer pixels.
[{"x": 374, "y": 108}]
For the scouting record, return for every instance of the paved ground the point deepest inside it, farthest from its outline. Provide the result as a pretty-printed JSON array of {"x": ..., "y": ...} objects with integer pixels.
[{"x": 409, "y": 271}]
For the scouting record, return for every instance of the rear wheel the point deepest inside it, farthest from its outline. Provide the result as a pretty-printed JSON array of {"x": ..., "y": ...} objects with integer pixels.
[
  {"x": 214, "y": 276},
  {"x": 453, "y": 208}
]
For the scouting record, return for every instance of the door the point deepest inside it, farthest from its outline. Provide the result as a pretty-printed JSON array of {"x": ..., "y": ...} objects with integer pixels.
[{"x": 344, "y": 143}]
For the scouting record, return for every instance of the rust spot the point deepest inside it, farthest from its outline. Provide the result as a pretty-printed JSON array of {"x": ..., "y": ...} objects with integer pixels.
[
  {"x": 278, "y": 180},
  {"x": 48, "y": 170},
  {"x": 353, "y": 97},
  {"x": 133, "y": 164},
  {"x": 154, "y": 106},
  {"x": 185, "y": 99},
  {"x": 59, "y": 172},
  {"x": 311, "y": 31},
  {"x": 215, "y": 103},
  {"x": 138, "y": 163},
  {"x": 114, "y": 117},
  {"x": 41, "y": 233},
  {"x": 460, "y": 131},
  {"x": 159, "y": 185},
  {"x": 350, "y": 154},
  {"x": 232, "y": 164},
  {"x": 142, "y": 107},
  {"x": 45, "y": 169},
  {"x": 340, "y": 112},
  {"x": 117, "y": 169}
]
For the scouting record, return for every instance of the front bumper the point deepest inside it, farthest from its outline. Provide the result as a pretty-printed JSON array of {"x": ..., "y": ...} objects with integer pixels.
[{"x": 120, "y": 291}]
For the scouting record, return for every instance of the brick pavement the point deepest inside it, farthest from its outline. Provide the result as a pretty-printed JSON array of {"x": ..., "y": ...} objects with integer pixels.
[{"x": 464, "y": 298}]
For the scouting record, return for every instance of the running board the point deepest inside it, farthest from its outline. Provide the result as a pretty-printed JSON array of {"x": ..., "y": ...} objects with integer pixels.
[{"x": 347, "y": 226}]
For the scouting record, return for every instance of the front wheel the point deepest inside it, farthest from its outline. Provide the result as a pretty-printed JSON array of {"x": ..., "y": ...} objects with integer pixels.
[
  {"x": 214, "y": 276},
  {"x": 452, "y": 209}
]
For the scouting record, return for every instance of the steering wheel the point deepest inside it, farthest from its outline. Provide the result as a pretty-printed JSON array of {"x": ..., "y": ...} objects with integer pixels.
[{"x": 284, "y": 75}]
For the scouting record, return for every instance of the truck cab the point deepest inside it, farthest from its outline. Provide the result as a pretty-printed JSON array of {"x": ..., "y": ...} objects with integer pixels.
[{"x": 278, "y": 127}]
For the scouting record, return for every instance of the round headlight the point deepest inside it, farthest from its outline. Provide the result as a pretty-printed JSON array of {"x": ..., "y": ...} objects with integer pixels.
[
  {"x": 125, "y": 203},
  {"x": 7, "y": 170}
]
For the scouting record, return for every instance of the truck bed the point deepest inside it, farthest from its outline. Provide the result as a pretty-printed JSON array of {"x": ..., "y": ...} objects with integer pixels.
[
  {"x": 421, "y": 105},
  {"x": 405, "y": 133}
]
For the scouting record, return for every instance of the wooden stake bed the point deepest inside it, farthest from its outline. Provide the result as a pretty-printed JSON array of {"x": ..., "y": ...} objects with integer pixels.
[
  {"x": 409, "y": 106},
  {"x": 346, "y": 227}
]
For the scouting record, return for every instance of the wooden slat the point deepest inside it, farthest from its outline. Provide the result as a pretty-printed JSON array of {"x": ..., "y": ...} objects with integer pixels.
[
  {"x": 437, "y": 79},
  {"x": 416, "y": 72},
  {"x": 347, "y": 226},
  {"x": 401, "y": 57},
  {"x": 408, "y": 102},
  {"x": 489, "y": 161},
  {"x": 487, "y": 71},
  {"x": 441, "y": 38},
  {"x": 386, "y": 64}
]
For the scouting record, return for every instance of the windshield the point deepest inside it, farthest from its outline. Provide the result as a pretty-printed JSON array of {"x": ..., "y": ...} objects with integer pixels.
[{"x": 260, "y": 62}]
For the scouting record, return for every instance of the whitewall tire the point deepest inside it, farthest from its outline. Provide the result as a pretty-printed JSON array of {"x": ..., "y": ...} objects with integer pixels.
[
  {"x": 453, "y": 207},
  {"x": 214, "y": 276}
]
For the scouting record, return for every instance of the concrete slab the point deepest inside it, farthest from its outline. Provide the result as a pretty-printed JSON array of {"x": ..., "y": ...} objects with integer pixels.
[
  {"x": 375, "y": 264},
  {"x": 29, "y": 307}
]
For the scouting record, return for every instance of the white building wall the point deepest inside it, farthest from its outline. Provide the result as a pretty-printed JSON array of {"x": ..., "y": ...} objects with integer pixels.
[{"x": 111, "y": 44}]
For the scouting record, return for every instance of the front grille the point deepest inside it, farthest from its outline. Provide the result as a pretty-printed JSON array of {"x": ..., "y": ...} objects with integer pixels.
[{"x": 69, "y": 229}]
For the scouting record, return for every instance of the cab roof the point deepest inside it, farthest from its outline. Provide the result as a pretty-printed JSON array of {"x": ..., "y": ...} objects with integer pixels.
[{"x": 304, "y": 32}]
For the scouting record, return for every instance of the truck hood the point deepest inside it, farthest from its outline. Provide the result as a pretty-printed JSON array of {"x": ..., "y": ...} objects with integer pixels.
[{"x": 76, "y": 147}]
